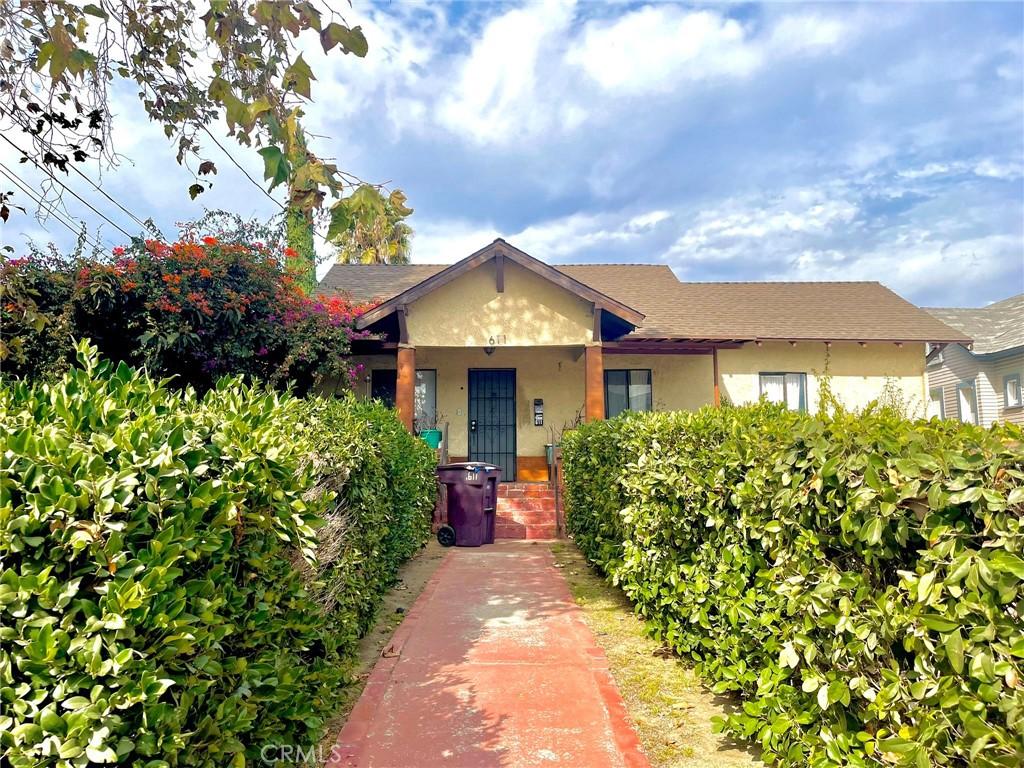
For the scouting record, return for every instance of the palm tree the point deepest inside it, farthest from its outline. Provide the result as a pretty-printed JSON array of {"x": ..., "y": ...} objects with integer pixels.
[{"x": 377, "y": 234}]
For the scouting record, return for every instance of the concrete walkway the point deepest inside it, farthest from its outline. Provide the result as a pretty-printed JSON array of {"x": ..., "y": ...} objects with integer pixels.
[{"x": 493, "y": 666}]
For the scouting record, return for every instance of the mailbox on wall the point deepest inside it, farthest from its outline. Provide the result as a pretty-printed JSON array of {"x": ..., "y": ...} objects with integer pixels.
[{"x": 538, "y": 413}]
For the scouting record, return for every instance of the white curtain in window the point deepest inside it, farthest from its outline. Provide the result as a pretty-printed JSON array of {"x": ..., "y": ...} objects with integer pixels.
[
  {"x": 640, "y": 390},
  {"x": 773, "y": 387},
  {"x": 425, "y": 400},
  {"x": 795, "y": 391},
  {"x": 968, "y": 404}
]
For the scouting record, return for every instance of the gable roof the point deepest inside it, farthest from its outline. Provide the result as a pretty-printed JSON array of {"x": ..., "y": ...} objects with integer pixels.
[
  {"x": 827, "y": 311},
  {"x": 501, "y": 250},
  {"x": 994, "y": 328}
]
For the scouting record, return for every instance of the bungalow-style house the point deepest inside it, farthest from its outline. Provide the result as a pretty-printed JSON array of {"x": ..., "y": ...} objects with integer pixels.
[
  {"x": 508, "y": 350},
  {"x": 980, "y": 382}
]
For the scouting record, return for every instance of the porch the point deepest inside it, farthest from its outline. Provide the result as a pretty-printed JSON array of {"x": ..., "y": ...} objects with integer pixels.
[{"x": 506, "y": 405}]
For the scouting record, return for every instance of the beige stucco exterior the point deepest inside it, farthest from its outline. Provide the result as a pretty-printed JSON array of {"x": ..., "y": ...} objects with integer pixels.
[
  {"x": 858, "y": 374},
  {"x": 469, "y": 312},
  {"x": 540, "y": 330}
]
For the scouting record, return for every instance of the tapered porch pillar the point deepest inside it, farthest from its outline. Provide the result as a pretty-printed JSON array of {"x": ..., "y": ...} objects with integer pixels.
[
  {"x": 594, "y": 400},
  {"x": 405, "y": 385}
]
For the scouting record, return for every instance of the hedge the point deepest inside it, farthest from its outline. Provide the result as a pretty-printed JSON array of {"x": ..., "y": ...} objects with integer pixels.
[
  {"x": 857, "y": 580},
  {"x": 151, "y": 609}
]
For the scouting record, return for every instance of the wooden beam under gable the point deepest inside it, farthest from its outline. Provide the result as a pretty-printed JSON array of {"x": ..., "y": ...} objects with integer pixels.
[
  {"x": 403, "y": 327},
  {"x": 499, "y": 272}
]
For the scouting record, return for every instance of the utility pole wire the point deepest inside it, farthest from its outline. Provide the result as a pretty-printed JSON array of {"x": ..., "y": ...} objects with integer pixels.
[
  {"x": 48, "y": 207},
  {"x": 256, "y": 184},
  {"x": 91, "y": 207},
  {"x": 99, "y": 189}
]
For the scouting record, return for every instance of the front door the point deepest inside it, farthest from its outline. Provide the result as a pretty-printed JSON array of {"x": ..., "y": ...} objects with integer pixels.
[{"x": 492, "y": 418}]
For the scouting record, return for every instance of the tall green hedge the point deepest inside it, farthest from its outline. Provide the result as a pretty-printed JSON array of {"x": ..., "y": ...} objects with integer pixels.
[
  {"x": 161, "y": 595},
  {"x": 858, "y": 580}
]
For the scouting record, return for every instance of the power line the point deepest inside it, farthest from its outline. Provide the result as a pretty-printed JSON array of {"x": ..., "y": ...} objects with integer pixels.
[
  {"x": 89, "y": 205},
  {"x": 48, "y": 207},
  {"x": 256, "y": 184},
  {"x": 238, "y": 165},
  {"x": 95, "y": 186}
]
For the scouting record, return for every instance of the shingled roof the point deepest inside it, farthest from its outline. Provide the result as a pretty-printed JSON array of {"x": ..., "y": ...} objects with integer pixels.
[
  {"x": 827, "y": 311},
  {"x": 995, "y": 328}
]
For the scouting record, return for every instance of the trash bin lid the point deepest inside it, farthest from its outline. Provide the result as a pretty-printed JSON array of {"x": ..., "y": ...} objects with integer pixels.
[{"x": 470, "y": 466}]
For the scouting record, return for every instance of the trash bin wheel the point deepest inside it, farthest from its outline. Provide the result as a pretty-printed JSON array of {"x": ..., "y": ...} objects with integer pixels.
[{"x": 446, "y": 536}]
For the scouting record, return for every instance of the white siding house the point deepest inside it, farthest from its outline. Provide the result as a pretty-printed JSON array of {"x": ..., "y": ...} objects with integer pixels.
[{"x": 981, "y": 382}]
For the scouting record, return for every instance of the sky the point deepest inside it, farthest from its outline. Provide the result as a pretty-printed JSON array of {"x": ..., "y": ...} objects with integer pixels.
[{"x": 784, "y": 141}]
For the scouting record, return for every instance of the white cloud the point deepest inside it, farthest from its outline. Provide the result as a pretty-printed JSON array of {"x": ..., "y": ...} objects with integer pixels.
[
  {"x": 994, "y": 169},
  {"x": 659, "y": 48},
  {"x": 653, "y": 48},
  {"x": 493, "y": 97},
  {"x": 739, "y": 229},
  {"x": 445, "y": 242},
  {"x": 551, "y": 240}
]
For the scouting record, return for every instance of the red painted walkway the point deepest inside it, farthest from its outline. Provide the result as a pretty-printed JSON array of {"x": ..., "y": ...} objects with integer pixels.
[{"x": 493, "y": 666}]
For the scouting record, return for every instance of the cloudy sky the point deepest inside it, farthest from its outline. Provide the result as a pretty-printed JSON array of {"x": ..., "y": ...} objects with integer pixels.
[{"x": 738, "y": 142}]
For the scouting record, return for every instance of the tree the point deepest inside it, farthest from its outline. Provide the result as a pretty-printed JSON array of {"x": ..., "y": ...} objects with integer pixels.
[
  {"x": 377, "y": 232},
  {"x": 243, "y": 64}
]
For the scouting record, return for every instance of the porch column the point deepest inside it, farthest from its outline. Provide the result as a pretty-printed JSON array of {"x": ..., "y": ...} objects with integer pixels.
[
  {"x": 405, "y": 384},
  {"x": 594, "y": 401},
  {"x": 714, "y": 366}
]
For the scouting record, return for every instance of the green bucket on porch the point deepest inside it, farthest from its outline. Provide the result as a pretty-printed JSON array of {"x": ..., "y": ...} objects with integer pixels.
[{"x": 431, "y": 437}]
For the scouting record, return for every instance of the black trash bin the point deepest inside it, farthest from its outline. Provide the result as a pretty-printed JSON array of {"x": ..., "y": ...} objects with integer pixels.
[{"x": 472, "y": 491}]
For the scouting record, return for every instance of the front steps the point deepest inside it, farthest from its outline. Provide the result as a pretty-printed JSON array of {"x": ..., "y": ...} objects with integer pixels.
[{"x": 525, "y": 511}]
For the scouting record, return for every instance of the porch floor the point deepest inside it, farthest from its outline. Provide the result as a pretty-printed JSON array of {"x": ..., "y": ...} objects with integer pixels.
[{"x": 493, "y": 666}]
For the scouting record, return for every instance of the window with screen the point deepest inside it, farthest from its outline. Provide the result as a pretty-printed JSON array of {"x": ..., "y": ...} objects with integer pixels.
[
  {"x": 627, "y": 390},
  {"x": 1011, "y": 391}
]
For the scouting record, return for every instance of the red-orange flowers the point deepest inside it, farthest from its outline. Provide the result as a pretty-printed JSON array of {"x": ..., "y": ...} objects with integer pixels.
[{"x": 210, "y": 240}]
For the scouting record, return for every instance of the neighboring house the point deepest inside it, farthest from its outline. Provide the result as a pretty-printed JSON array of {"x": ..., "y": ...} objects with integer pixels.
[
  {"x": 511, "y": 349},
  {"x": 980, "y": 382}
]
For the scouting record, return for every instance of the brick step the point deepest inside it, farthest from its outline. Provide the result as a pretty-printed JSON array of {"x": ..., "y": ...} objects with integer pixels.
[
  {"x": 527, "y": 518},
  {"x": 526, "y": 505},
  {"x": 531, "y": 492},
  {"x": 528, "y": 531}
]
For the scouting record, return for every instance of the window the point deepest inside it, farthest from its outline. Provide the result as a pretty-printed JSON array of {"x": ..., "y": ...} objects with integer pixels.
[
  {"x": 627, "y": 390},
  {"x": 790, "y": 389},
  {"x": 384, "y": 382},
  {"x": 425, "y": 400},
  {"x": 1011, "y": 391},
  {"x": 936, "y": 403},
  {"x": 967, "y": 402},
  {"x": 382, "y": 386}
]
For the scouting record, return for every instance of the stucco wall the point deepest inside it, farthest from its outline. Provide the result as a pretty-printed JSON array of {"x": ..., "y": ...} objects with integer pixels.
[
  {"x": 859, "y": 374},
  {"x": 680, "y": 382},
  {"x": 469, "y": 312}
]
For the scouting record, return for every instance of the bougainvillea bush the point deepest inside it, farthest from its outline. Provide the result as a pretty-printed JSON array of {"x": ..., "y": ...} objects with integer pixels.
[
  {"x": 192, "y": 310},
  {"x": 858, "y": 580},
  {"x": 161, "y": 581}
]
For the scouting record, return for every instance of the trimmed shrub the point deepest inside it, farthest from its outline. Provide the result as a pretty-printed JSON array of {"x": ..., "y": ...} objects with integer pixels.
[
  {"x": 858, "y": 580},
  {"x": 384, "y": 484},
  {"x": 151, "y": 610}
]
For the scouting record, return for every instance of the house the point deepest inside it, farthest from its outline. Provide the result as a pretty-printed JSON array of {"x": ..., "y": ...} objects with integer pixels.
[
  {"x": 511, "y": 350},
  {"x": 980, "y": 382}
]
